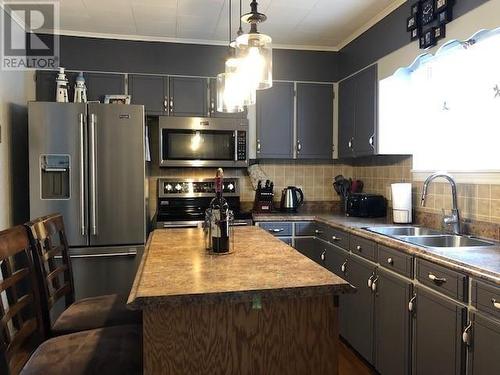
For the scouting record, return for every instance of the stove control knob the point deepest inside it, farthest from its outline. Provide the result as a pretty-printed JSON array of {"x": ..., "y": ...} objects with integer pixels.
[
  {"x": 230, "y": 187},
  {"x": 178, "y": 187},
  {"x": 168, "y": 187}
]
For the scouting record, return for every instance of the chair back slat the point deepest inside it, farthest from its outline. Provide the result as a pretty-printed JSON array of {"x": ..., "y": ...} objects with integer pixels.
[
  {"x": 21, "y": 328},
  {"x": 49, "y": 241}
]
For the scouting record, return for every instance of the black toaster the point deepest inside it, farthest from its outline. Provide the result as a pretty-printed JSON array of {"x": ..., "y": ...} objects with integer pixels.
[{"x": 366, "y": 205}]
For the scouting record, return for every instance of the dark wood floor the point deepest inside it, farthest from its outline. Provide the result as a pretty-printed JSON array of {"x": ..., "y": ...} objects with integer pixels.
[{"x": 350, "y": 363}]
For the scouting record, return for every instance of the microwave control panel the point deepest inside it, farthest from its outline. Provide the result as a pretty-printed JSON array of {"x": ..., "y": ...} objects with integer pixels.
[{"x": 241, "y": 145}]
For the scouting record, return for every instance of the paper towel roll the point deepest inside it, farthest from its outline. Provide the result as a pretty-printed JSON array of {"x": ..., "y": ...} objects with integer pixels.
[{"x": 401, "y": 203}]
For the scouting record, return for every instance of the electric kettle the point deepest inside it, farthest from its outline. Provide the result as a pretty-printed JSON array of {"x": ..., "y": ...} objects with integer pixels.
[{"x": 291, "y": 198}]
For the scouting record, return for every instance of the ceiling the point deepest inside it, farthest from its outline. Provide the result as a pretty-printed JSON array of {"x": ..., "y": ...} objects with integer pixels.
[{"x": 302, "y": 24}]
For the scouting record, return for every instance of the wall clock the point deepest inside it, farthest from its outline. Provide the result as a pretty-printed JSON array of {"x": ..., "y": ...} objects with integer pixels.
[{"x": 427, "y": 21}]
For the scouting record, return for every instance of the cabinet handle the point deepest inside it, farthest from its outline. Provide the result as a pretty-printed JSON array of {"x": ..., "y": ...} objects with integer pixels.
[
  {"x": 466, "y": 336},
  {"x": 374, "y": 285},
  {"x": 317, "y": 231},
  {"x": 359, "y": 248},
  {"x": 337, "y": 239},
  {"x": 299, "y": 146},
  {"x": 371, "y": 141},
  {"x": 343, "y": 267},
  {"x": 390, "y": 261},
  {"x": 437, "y": 280},
  {"x": 171, "y": 104},
  {"x": 496, "y": 304},
  {"x": 212, "y": 106},
  {"x": 165, "y": 104},
  {"x": 258, "y": 145},
  {"x": 370, "y": 280},
  {"x": 351, "y": 143},
  {"x": 323, "y": 255},
  {"x": 411, "y": 304},
  {"x": 276, "y": 230}
]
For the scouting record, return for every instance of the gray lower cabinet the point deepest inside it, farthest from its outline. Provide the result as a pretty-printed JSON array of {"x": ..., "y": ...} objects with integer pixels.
[
  {"x": 101, "y": 84},
  {"x": 392, "y": 324},
  {"x": 484, "y": 354},
  {"x": 439, "y": 323},
  {"x": 314, "y": 121},
  {"x": 359, "y": 308},
  {"x": 274, "y": 115},
  {"x": 188, "y": 96},
  {"x": 150, "y": 91},
  {"x": 308, "y": 246},
  {"x": 358, "y": 101}
]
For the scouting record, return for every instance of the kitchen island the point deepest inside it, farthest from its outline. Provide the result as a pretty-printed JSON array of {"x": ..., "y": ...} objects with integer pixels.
[{"x": 264, "y": 309}]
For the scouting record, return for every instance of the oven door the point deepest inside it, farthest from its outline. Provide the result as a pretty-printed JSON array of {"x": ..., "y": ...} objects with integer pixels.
[{"x": 190, "y": 147}]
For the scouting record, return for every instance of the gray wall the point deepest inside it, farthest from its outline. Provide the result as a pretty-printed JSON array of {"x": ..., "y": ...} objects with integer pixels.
[
  {"x": 78, "y": 53},
  {"x": 387, "y": 36}
]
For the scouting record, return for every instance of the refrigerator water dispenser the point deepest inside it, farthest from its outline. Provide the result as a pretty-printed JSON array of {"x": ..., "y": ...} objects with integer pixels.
[{"x": 55, "y": 176}]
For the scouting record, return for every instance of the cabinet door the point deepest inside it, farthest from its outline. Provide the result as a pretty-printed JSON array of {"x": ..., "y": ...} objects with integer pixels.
[
  {"x": 46, "y": 85},
  {"x": 308, "y": 247},
  {"x": 485, "y": 358},
  {"x": 438, "y": 328},
  {"x": 188, "y": 96},
  {"x": 358, "y": 308},
  {"x": 392, "y": 324},
  {"x": 347, "y": 117},
  {"x": 275, "y": 121},
  {"x": 314, "y": 121},
  {"x": 150, "y": 91},
  {"x": 101, "y": 84},
  {"x": 213, "y": 104},
  {"x": 366, "y": 111}
]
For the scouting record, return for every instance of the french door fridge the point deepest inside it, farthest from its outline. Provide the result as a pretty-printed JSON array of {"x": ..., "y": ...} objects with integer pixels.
[{"x": 87, "y": 161}]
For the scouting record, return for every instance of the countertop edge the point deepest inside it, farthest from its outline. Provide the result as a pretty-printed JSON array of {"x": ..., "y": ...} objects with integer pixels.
[{"x": 138, "y": 275}]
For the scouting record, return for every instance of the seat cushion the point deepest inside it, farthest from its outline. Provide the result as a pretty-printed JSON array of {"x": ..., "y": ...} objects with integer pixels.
[
  {"x": 95, "y": 312},
  {"x": 111, "y": 350}
]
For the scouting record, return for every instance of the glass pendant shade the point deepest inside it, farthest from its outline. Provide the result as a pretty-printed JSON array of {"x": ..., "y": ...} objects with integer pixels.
[
  {"x": 256, "y": 55},
  {"x": 229, "y": 95},
  {"x": 246, "y": 89}
]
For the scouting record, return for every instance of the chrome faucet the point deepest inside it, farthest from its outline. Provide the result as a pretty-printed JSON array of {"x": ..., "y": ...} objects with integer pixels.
[{"x": 449, "y": 221}]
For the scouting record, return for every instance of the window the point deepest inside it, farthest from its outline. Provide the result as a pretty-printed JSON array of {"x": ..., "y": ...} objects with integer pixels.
[{"x": 445, "y": 109}]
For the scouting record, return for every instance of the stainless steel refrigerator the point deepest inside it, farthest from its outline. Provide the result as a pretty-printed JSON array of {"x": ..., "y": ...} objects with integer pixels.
[{"x": 87, "y": 161}]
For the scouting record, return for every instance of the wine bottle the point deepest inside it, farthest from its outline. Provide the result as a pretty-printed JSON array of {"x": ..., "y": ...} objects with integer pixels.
[{"x": 220, "y": 217}]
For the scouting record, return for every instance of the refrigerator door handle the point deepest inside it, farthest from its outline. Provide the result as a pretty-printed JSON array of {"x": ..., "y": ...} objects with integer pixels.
[
  {"x": 93, "y": 173},
  {"x": 81, "y": 123}
]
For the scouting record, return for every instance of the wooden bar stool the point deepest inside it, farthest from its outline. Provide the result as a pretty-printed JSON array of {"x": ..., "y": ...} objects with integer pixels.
[
  {"x": 113, "y": 350},
  {"x": 48, "y": 239}
]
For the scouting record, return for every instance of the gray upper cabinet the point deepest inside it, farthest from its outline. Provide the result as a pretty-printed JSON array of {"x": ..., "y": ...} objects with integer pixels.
[
  {"x": 314, "y": 121},
  {"x": 358, "y": 100},
  {"x": 188, "y": 96},
  {"x": 439, "y": 323},
  {"x": 46, "y": 85},
  {"x": 150, "y": 91},
  {"x": 213, "y": 104},
  {"x": 392, "y": 324},
  {"x": 275, "y": 121},
  {"x": 101, "y": 84},
  {"x": 484, "y": 358}
]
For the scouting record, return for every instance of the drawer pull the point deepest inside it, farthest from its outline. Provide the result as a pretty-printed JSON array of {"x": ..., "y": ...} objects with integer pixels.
[
  {"x": 411, "y": 304},
  {"x": 437, "y": 280},
  {"x": 323, "y": 255},
  {"x": 317, "y": 231},
  {"x": 496, "y": 304},
  {"x": 370, "y": 281},
  {"x": 335, "y": 238},
  {"x": 390, "y": 261},
  {"x": 276, "y": 230},
  {"x": 466, "y": 337},
  {"x": 343, "y": 267},
  {"x": 359, "y": 248},
  {"x": 374, "y": 285}
]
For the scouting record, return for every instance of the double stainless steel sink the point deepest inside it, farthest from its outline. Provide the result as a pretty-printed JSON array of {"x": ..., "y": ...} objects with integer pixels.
[{"x": 429, "y": 237}]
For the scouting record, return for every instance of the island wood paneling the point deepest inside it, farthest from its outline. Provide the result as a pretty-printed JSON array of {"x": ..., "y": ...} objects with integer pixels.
[{"x": 285, "y": 336}]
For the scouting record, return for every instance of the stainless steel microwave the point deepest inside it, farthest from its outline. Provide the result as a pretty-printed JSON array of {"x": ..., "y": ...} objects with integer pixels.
[{"x": 202, "y": 142}]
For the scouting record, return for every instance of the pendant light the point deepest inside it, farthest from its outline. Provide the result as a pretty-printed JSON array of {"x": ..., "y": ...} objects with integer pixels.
[
  {"x": 255, "y": 51},
  {"x": 231, "y": 93}
]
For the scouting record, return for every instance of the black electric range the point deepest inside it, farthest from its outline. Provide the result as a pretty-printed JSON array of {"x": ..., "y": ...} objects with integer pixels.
[{"x": 182, "y": 202}]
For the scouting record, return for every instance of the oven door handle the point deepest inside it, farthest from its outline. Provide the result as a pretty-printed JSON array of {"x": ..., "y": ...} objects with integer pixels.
[{"x": 173, "y": 226}]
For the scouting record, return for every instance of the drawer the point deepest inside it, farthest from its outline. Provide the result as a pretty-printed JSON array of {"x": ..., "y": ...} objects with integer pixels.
[
  {"x": 332, "y": 235},
  {"x": 486, "y": 298},
  {"x": 305, "y": 228},
  {"x": 363, "y": 247},
  {"x": 395, "y": 260},
  {"x": 276, "y": 228},
  {"x": 443, "y": 280}
]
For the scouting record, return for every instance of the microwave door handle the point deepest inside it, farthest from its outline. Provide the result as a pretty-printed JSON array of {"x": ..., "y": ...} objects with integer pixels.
[{"x": 236, "y": 145}]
